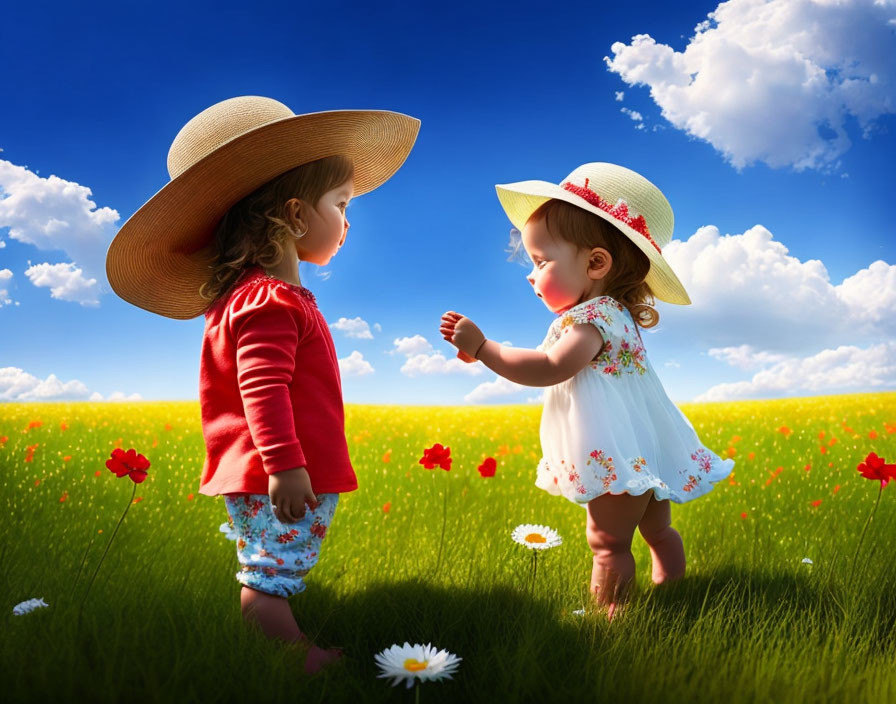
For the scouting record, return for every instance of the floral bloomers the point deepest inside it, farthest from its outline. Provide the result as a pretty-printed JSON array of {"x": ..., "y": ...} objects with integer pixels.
[{"x": 274, "y": 557}]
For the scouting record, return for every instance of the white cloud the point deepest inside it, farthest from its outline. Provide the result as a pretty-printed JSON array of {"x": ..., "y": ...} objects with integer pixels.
[
  {"x": 5, "y": 278},
  {"x": 66, "y": 282},
  {"x": 53, "y": 214},
  {"x": 377, "y": 327},
  {"x": 744, "y": 356},
  {"x": 846, "y": 368},
  {"x": 498, "y": 388},
  {"x": 18, "y": 385},
  {"x": 116, "y": 396},
  {"x": 634, "y": 114},
  {"x": 354, "y": 327},
  {"x": 410, "y": 346},
  {"x": 537, "y": 398},
  {"x": 427, "y": 364},
  {"x": 620, "y": 95},
  {"x": 355, "y": 365},
  {"x": 747, "y": 289},
  {"x": 773, "y": 80}
]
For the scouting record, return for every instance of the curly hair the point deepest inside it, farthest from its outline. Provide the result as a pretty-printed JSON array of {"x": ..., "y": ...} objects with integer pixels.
[
  {"x": 625, "y": 281},
  {"x": 255, "y": 230}
]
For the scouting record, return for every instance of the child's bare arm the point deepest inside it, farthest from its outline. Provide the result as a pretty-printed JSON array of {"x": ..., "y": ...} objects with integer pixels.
[{"x": 578, "y": 345}]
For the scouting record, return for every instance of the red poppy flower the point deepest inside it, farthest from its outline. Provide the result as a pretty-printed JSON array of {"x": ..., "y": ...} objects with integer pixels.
[
  {"x": 488, "y": 467},
  {"x": 436, "y": 456},
  {"x": 874, "y": 467},
  {"x": 128, "y": 464}
]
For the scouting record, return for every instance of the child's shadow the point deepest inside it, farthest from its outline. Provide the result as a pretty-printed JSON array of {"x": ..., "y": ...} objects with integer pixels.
[
  {"x": 514, "y": 641},
  {"x": 510, "y": 640}
]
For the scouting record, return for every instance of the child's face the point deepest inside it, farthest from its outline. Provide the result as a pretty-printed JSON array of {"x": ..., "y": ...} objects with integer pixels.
[
  {"x": 327, "y": 226},
  {"x": 559, "y": 274}
]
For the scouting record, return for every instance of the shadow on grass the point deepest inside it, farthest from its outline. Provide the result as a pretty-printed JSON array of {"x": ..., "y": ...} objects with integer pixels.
[
  {"x": 516, "y": 645},
  {"x": 520, "y": 647}
]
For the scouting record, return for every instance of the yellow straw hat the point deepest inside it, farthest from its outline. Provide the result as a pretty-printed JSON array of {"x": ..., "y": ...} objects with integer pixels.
[
  {"x": 621, "y": 197},
  {"x": 162, "y": 254}
]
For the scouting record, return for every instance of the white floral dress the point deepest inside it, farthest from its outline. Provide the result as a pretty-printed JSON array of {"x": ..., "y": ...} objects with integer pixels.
[{"x": 611, "y": 428}]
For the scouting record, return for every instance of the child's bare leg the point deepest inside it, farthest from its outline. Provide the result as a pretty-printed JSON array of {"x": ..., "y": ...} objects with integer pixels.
[
  {"x": 610, "y": 527},
  {"x": 273, "y": 615},
  {"x": 666, "y": 547}
]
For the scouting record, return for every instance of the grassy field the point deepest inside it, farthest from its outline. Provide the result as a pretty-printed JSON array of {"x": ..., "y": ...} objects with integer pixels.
[{"x": 425, "y": 556}]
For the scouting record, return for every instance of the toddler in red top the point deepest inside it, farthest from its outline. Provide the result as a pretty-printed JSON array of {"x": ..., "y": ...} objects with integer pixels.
[
  {"x": 256, "y": 189},
  {"x": 269, "y": 390}
]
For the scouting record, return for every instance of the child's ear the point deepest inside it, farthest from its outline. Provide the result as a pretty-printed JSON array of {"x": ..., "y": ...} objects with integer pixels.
[
  {"x": 599, "y": 263},
  {"x": 295, "y": 214}
]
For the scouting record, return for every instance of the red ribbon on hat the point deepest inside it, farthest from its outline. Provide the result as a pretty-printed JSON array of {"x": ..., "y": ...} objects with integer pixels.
[{"x": 618, "y": 211}]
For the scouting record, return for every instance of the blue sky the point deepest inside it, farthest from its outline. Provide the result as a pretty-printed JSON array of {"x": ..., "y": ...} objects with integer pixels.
[{"x": 769, "y": 128}]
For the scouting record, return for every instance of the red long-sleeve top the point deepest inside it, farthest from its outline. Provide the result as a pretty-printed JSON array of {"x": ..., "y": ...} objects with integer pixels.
[{"x": 269, "y": 390}]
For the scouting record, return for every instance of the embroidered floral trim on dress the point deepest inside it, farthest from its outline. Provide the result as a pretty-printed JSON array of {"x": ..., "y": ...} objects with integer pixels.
[
  {"x": 570, "y": 476},
  {"x": 704, "y": 464},
  {"x": 619, "y": 211}
]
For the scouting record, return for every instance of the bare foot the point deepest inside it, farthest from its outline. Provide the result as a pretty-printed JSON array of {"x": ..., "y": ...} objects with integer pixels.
[{"x": 318, "y": 658}]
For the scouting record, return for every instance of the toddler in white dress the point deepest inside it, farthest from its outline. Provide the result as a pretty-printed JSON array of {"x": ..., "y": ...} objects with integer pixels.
[{"x": 611, "y": 438}]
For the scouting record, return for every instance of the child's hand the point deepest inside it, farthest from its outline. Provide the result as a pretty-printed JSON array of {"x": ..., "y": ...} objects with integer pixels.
[
  {"x": 463, "y": 333},
  {"x": 290, "y": 490}
]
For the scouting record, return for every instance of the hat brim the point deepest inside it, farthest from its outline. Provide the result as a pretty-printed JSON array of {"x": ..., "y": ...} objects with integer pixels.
[
  {"x": 162, "y": 254},
  {"x": 523, "y": 198}
]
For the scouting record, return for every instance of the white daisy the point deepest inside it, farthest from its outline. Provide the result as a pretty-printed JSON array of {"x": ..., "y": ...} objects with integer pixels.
[
  {"x": 421, "y": 662},
  {"x": 228, "y": 531},
  {"x": 536, "y": 537},
  {"x": 29, "y": 605},
  {"x": 807, "y": 561}
]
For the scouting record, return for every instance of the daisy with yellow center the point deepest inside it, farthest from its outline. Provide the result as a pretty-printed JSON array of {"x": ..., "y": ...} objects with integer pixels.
[
  {"x": 536, "y": 537},
  {"x": 410, "y": 663}
]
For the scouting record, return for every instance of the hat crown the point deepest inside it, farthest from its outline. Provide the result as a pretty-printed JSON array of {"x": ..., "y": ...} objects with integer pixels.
[
  {"x": 219, "y": 124},
  {"x": 613, "y": 182}
]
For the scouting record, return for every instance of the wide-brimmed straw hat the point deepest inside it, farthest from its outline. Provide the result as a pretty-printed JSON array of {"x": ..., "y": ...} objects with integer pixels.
[
  {"x": 621, "y": 197},
  {"x": 163, "y": 253}
]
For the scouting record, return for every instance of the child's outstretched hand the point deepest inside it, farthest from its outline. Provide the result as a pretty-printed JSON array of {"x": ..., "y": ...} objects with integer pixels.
[
  {"x": 463, "y": 333},
  {"x": 290, "y": 490}
]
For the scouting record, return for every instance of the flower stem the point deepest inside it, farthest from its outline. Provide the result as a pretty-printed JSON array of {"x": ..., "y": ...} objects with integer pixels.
[
  {"x": 417, "y": 692},
  {"x": 108, "y": 545},
  {"x": 81, "y": 566},
  {"x": 862, "y": 537},
  {"x": 442, "y": 537}
]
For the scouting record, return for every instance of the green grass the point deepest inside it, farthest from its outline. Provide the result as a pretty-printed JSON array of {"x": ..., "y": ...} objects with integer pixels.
[{"x": 749, "y": 622}]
